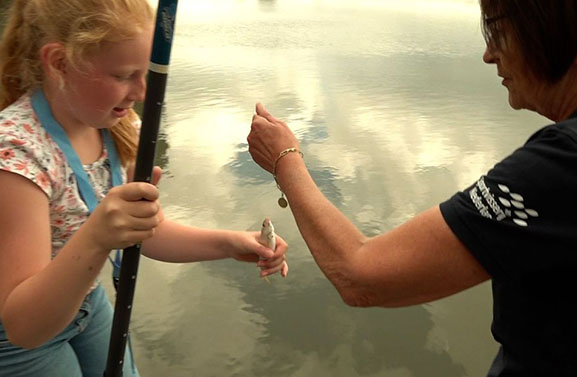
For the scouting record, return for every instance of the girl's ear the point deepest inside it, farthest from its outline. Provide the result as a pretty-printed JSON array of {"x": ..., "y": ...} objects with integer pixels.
[{"x": 53, "y": 59}]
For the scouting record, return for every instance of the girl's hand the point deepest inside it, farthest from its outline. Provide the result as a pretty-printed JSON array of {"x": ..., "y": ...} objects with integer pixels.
[
  {"x": 127, "y": 215},
  {"x": 251, "y": 250}
]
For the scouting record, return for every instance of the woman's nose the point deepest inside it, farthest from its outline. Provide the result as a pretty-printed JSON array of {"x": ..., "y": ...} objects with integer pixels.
[{"x": 488, "y": 55}]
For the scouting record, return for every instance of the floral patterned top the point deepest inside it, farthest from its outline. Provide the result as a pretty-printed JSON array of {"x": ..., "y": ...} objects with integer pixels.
[{"x": 28, "y": 150}]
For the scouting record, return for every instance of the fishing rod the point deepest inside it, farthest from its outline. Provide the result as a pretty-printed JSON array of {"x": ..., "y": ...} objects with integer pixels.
[{"x": 156, "y": 86}]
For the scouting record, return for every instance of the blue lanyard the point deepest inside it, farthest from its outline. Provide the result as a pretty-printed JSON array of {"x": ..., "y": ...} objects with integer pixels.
[{"x": 44, "y": 114}]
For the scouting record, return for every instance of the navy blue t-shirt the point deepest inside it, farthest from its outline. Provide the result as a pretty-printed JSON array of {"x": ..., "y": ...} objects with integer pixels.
[{"x": 520, "y": 222}]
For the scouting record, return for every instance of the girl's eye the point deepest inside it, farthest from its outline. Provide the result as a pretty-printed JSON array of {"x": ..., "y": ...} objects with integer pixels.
[{"x": 122, "y": 77}]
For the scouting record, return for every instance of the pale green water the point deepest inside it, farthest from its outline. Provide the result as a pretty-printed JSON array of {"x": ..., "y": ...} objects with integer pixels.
[{"x": 395, "y": 111}]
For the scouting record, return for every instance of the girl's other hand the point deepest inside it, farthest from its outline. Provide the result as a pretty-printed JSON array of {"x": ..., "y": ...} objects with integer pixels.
[{"x": 270, "y": 261}]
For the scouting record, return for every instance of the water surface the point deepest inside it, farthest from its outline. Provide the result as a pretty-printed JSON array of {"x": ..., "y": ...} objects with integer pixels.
[{"x": 395, "y": 111}]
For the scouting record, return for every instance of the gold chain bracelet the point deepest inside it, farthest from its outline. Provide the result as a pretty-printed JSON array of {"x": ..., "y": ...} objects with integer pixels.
[{"x": 282, "y": 201}]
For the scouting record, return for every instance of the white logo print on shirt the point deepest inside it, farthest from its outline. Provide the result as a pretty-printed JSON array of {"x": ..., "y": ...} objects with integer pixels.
[{"x": 514, "y": 204}]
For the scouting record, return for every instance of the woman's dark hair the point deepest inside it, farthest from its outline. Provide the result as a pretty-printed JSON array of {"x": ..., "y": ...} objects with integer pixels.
[{"x": 546, "y": 31}]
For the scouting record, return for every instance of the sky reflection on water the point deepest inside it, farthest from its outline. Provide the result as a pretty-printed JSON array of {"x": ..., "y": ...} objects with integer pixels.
[{"x": 395, "y": 111}]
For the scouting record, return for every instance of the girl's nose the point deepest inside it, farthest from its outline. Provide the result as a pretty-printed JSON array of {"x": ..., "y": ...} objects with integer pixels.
[{"x": 138, "y": 91}]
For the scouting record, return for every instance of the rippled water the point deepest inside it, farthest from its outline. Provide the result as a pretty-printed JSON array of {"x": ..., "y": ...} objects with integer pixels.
[{"x": 395, "y": 111}]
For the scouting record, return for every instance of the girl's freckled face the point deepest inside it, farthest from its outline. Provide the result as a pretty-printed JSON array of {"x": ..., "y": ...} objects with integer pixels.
[{"x": 101, "y": 92}]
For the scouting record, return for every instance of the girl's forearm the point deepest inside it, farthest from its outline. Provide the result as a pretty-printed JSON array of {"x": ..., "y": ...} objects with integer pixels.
[
  {"x": 174, "y": 242},
  {"x": 43, "y": 305}
]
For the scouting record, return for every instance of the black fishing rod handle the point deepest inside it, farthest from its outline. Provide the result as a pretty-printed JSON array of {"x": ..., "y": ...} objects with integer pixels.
[{"x": 156, "y": 85}]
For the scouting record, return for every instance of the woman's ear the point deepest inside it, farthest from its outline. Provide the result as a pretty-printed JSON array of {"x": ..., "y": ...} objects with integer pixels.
[{"x": 53, "y": 57}]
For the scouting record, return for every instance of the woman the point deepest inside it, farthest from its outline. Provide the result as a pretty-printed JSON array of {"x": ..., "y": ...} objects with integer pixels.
[{"x": 515, "y": 225}]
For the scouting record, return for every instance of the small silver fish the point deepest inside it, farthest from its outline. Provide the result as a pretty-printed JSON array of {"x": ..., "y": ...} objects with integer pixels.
[{"x": 267, "y": 235}]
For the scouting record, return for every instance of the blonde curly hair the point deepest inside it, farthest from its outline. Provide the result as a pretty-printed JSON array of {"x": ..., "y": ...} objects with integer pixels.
[{"x": 81, "y": 26}]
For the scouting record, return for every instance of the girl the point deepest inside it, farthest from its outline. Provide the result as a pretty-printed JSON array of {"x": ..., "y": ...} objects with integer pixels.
[{"x": 71, "y": 72}]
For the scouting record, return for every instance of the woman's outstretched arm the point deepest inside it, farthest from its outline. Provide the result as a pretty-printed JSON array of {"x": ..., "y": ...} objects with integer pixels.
[{"x": 419, "y": 261}]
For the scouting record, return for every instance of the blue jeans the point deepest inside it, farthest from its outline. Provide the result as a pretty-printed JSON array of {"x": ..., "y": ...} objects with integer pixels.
[{"x": 80, "y": 350}]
